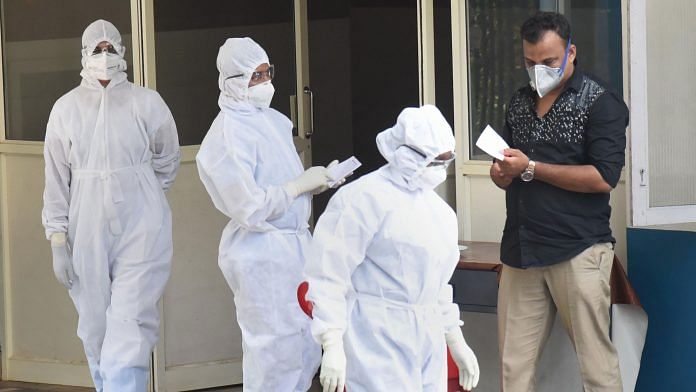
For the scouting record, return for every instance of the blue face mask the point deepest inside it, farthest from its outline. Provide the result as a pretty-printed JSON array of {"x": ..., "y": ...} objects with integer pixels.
[{"x": 544, "y": 78}]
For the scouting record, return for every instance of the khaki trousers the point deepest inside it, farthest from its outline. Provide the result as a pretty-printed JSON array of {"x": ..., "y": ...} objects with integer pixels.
[{"x": 578, "y": 289}]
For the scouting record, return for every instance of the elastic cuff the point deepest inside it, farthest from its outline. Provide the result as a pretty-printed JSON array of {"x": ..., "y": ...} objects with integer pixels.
[
  {"x": 58, "y": 240},
  {"x": 454, "y": 337},
  {"x": 331, "y": 338}
]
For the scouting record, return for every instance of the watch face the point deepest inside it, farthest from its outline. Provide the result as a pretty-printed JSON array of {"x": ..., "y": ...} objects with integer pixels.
[{"x": 527, "y": 176}]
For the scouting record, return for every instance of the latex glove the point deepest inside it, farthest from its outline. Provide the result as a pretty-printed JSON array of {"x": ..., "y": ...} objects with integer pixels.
[
  {"x": 465, "y": 359},
  {"x": 314, "y": 180},
  {"x": 62, "y": 260},
  {"x": 333, "y": 363}
]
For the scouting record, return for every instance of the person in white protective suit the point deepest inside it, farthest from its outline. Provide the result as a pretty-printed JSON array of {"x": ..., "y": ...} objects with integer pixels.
[
  {"x": 254, "y": 176},
  {"x": 111, "y": 151},
  {"x": 380, "y": 262}
]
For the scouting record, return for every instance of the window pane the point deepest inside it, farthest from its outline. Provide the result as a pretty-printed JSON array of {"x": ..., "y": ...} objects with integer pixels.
[
  {"x": 362, "y": 74},
  {"x": 188, "y": 35},
  {"x": 671, "y": 105},
  {"x": 41, "y": 54},
  {"x": 444, "y": 93},
  {"x": 496, "y": 69},
  {"x": 597, "y": 35}
]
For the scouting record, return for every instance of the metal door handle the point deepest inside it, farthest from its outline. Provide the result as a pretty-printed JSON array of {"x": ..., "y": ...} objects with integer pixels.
[{"x": 310, "y": 132}]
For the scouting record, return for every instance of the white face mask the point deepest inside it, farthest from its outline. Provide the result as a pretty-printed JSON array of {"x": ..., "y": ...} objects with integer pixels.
[
  {"x": 544, "y": 79},
  {"x": 103, "y": 66},
  {"x": 261, "y": 95},
  {"x": 431, "y": 177}
]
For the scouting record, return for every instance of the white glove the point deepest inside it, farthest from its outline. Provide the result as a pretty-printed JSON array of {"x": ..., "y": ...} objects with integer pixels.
[
  {"x": 333, "y": 363},
  {"x": 62, "y": 260},
  {"x": 315, "y": 180},
  {"x": 465, "y": 359}
]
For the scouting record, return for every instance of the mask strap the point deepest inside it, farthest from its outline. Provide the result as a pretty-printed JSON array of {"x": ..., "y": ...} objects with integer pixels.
[
  {"x": 414, "y": 150},
  {"x": 565, "y": 58},
  {"x": 234, "y": 76}
]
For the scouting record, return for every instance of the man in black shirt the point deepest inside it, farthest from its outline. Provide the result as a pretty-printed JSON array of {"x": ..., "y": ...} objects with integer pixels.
[{"x": 567, "y": 133}]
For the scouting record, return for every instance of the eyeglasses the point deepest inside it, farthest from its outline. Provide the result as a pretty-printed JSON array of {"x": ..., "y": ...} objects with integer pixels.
[
  {"x": 440, "y": 162},
  {"x": 107, "y": 48},
  {"x": 260, "y": 75},
  {"x": 435, "y": 162}
]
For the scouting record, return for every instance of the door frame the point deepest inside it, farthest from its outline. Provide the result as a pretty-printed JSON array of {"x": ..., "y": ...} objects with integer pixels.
[{"x": 14, "y": 368}]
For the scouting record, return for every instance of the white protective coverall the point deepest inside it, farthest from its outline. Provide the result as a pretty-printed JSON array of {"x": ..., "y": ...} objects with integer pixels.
[
  {"x": 244, "y": 161},
  {"x": 380, "y": 262},
  {"x": 110, "y": 154}
]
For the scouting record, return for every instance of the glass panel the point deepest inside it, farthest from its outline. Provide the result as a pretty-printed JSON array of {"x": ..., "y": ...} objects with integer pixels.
[
  {"x": 671, "y": 97},
  {"x": 362, "y": 74},
  {"x": 597, "y": 35},
  {"x": 495, "y": 51},
  {"x": 41, "y": 55},
  {"x": 188, "y": 35},
  {"x": 496, "y": 69},
  {"x": 444, "y": 93}
]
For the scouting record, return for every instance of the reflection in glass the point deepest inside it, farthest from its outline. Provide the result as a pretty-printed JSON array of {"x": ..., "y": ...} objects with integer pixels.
[
  {"x": 444, "y": 93},
  {"x": 598, "y": 39},
  {"x": 363, "y": 73},
  {"x": 41, "y": 60},
  {"x": 496, "y": 69},
  {"x": 188, "y": 35}
]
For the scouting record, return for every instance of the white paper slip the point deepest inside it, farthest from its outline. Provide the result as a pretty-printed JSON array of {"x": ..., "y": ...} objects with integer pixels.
[
  {"x": 343, "y": 169},
  {"x": 491, "y": 143}
]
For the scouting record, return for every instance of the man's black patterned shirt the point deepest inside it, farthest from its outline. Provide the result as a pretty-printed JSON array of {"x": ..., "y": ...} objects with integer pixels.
[{"x": 585, "y": 126}]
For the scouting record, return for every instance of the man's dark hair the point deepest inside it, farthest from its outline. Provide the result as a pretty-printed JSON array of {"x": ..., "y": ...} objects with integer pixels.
[{"x": 534, "y": 28}]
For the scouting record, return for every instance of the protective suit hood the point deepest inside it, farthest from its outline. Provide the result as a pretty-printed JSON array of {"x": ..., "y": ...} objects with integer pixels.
[
  {"x": 237, "y": 59},
  {"x": 417, "y": 138},
  {"x": 98, "y": 31}
]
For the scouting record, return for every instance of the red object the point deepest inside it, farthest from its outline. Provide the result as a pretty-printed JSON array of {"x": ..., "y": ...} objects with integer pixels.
[
  {"x": 452, "y": 369},
  {"x": 452, "y": 374},
  {"x": 307, "y": 306}
]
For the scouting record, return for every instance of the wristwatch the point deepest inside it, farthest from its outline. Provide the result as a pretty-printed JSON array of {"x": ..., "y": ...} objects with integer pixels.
[{"x": 528, "y": 173}]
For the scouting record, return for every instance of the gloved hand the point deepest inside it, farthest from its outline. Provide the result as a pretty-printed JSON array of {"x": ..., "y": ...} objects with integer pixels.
[
  {"x": 333, "y": 363},
  {"x": 465, "y": 359},
  {"x": 315, "y": 180},
  {"x": 62, "y": 260}
]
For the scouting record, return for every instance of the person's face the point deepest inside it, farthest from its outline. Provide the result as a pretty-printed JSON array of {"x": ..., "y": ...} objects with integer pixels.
[
  {"x": 262, "y": 74},
  {"x": 445, "y": 156},
  {"x": 443, "y": 160},
  {"x": 549, "y": 51},
  {"x": 104, "y": 46}
]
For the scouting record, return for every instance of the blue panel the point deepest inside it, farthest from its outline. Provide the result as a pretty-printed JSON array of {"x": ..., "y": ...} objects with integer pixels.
[{"x": 662, "y": 268}]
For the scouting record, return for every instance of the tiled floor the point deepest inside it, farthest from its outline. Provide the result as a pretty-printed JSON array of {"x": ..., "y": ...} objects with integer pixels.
[
  {"x": 8, "y": 386},
  {"x": 315, "y": 388}
]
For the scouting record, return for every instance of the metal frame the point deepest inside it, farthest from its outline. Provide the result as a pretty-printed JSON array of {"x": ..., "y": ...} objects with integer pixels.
[
  {"x": 426, "y": 51},
  {"x": 465, "y": 166},
  {"x": 643, "y": 214}
]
